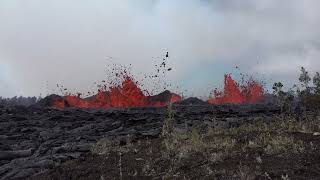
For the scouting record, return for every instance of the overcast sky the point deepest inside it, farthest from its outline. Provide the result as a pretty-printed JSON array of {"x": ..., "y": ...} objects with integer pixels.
[{"x": 45, "y": 42}]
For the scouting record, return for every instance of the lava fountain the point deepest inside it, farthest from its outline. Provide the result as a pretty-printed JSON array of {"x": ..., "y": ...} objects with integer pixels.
[
  {"x": 249, "y": 92},
  {"x": 123, "y": 92},
  {"x": 128, "y": 94}
]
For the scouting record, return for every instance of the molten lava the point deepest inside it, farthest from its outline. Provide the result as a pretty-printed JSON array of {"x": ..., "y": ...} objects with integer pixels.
[
  {"x": 123, "y": 91},
  {"x": 250, "y": 92},
  {"x": 128, "y": 94}
]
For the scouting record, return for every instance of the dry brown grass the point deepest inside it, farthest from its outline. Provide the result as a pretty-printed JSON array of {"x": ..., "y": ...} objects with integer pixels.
[{"x": 217, "y": 145}]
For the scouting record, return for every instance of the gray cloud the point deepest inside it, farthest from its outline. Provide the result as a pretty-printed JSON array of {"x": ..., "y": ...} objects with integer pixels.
[{"x": 69, "y": 41}]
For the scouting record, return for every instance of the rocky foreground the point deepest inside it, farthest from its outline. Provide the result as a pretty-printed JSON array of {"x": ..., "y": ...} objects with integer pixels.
[{"x": 36, "y": 139}]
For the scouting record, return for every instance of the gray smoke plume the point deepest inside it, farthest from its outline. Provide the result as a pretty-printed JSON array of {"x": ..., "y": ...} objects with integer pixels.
[{"x": 70, "y": 42}]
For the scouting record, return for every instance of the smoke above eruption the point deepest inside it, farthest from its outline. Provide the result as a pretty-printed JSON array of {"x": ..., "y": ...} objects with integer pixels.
[{"x": 67, "y": 42}]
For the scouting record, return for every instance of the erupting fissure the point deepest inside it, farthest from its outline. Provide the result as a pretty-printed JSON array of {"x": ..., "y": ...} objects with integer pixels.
[
  {"x": 123, "y": 91},
  {"x": 233, "y": 93},
  {"x": 128, "y": 94}
]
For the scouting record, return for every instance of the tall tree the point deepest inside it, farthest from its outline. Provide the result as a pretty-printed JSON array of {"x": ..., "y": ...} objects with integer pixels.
[
  {"x": 305, "y": 79},
  {"x": 277, "y": 89},
  {"x": 316, "y": 82}
]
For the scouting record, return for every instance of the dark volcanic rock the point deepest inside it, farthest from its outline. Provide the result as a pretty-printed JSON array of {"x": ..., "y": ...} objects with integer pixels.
[
  {"x": 192, "y": 101},
  {"x": 35, "y": 139},
  {"x": 162, "y": 97},
  {"x": 9, "y": 155}
]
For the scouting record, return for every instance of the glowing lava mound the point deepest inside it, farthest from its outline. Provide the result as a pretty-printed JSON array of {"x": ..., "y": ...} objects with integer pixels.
[{"x": 128, "y": 94}]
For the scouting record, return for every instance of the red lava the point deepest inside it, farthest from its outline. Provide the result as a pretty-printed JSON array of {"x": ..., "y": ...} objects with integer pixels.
[
  {"x": 128, "y": 94},
  {"x": 250, "y": 92}
]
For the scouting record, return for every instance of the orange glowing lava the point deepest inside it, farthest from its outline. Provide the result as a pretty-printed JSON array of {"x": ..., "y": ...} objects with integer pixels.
[
  {"x": 128, "y": 94},
  {"x": 233, "y": 93}
]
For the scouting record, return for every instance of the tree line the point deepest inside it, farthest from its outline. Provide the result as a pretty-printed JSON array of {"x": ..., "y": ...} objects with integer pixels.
[
  {"x": 23, "y": 101},
  {"x": 302, "y": 97}
]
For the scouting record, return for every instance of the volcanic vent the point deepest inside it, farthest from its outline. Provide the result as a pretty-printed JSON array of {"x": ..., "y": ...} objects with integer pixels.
[{"x": 128, "y": 93}]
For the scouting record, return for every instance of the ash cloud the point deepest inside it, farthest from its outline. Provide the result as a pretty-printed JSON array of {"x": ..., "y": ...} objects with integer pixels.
[{"x": 44, "y": 42}]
